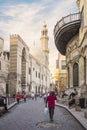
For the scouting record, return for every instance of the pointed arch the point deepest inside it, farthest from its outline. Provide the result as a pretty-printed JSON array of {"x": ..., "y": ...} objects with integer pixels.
[
  {"x": 75, "y": 75},
  {"x": 23, "y": 69}
]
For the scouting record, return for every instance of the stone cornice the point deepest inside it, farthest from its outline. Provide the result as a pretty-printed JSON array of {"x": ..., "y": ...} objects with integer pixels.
[{"x": 15, "y": 38}]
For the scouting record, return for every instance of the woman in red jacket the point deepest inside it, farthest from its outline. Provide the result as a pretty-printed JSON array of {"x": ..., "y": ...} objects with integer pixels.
[
  {"x": 18, "y": 96},
  {"x": 51, "y": 104}
]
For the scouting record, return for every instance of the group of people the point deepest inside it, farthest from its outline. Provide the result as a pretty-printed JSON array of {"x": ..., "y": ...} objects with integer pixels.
[
  {"x": 19, "y": 96},
  {"x": 49, "y": 100},
  {"x": 71, "y": 97}
]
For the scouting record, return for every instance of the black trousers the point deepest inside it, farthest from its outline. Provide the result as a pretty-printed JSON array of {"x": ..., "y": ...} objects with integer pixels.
[
  {"x": 51, "y": 112},
  {"x": 18, "y": 100}
]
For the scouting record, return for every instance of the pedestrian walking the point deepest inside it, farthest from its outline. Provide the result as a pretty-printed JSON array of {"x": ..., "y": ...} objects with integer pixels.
[
  {"x": 24, "y": 97},
  {"x": 35, "y": 96},
  {"x": 18, "y": 96},
  {"x": 50, "y": 102},
  {"x": 45, "y": 96},
  {"x": 32, "y": 95}
]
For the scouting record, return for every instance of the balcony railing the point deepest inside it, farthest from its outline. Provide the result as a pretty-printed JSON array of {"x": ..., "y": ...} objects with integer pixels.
[{"x": 66, "y": 20}]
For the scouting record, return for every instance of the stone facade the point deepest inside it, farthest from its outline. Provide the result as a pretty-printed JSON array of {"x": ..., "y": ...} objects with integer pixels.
[
  {"x": 24, "y": 71},
  {"x": 4, "y": 68},
  {"x": 72, "y": 42},
  {"x": 76, "y": 54},
  {"x": 19, "y": 64},
  {"x": 61, "y": 73}
]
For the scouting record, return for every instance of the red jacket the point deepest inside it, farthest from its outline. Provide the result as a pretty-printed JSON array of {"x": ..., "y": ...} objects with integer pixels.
[
  {"x": 18, "y": 95},
  {"x": 51, "y": 100}
]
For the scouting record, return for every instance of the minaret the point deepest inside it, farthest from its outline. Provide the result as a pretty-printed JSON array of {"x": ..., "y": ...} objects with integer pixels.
[{"x": 44, "y": 43}]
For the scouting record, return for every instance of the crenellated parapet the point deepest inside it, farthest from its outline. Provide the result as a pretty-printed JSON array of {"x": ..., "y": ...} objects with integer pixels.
[{"x": 15, "y": 38}]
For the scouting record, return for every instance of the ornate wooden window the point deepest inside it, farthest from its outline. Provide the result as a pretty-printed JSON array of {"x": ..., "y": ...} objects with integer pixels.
[
  {"x": 75, "y": 75},
  {"x": 63, "y": 64}
]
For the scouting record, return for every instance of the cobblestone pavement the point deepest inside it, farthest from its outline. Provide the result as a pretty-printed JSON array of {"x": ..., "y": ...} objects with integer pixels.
[{"x": 30, "y": 116}]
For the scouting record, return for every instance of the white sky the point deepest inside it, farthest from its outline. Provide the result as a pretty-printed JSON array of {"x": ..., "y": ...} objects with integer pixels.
[{"x": 26, "y": 17}]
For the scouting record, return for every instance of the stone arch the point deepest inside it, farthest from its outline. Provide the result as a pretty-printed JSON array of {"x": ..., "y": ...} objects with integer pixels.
[
  {"x": 23, "y": 70},
  {"x": 75, "y": 74}
]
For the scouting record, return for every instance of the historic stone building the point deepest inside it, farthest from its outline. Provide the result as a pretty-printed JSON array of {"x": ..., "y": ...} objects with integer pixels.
[
  {"x": 70, "y": 35},
  {"x": 24, "y": 71},
  {"x": 58, "y": 78},
  {"x": 61, "y": 73},
  {"x": 4, "y": 67}
]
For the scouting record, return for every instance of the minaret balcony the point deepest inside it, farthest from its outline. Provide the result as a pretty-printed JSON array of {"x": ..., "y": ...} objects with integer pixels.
[{"x": 65, "y": 30}]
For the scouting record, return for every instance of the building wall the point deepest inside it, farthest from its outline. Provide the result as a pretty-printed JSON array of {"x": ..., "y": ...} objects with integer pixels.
[
  {"x": 4, "y": 67},
  {"x": 19, "y": 64},
  {"x": 76, "y": 54},
  {"x": 62, "y": 79},
  {"x": 23, "y": 71}
]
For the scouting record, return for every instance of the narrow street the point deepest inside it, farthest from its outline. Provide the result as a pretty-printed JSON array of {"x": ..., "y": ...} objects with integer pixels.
[{"x": 30, "y": 116}]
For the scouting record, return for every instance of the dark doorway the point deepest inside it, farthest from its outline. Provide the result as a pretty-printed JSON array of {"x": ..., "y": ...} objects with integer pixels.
[{"x": 75, "y": 75}]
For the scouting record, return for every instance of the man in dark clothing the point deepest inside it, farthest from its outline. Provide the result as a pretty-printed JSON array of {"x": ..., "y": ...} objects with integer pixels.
[
  {"x": 50, "y": 101},
  {"x": 73, "y": 94},
  {"x": 3, "y": 102}
]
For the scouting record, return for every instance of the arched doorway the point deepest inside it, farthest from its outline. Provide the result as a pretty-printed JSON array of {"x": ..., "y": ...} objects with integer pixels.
[
  {"x": 75, "y": 75},
  {"x": 23, "y": 70}
]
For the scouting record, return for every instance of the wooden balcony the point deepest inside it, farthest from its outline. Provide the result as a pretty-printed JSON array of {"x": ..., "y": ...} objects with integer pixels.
[{"x": 65, "y": 30}]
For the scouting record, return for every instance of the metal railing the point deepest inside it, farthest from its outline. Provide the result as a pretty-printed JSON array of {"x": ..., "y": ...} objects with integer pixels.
[{"x": 66, "y": 20}]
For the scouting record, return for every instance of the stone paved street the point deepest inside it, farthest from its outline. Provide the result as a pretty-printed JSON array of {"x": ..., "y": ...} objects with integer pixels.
[{"x": 30, "y": 116}]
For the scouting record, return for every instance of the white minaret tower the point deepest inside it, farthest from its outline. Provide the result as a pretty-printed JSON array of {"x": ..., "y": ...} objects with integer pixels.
[{"x": 44, "y": 43}]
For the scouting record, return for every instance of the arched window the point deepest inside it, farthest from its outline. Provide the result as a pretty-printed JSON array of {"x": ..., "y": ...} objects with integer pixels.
[{"x": 75, "y": 75}]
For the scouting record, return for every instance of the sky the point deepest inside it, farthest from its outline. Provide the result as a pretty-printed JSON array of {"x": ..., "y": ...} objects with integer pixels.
[{"x": 26, "y": 18}]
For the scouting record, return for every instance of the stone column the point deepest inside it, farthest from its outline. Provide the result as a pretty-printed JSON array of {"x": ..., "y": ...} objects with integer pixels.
[
  {"x": 67, "y": 78},
  {"x": 70, "y": 75},
  {"x": 85, "y": 13},
  {"x": 81, "y": 75},
  {"x": 81, "y": 71}
]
